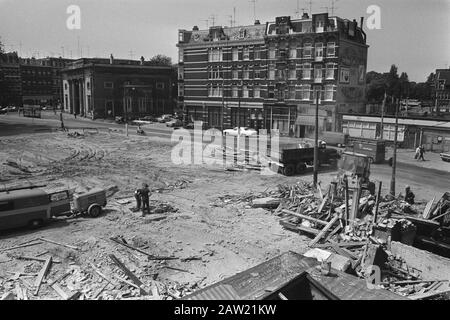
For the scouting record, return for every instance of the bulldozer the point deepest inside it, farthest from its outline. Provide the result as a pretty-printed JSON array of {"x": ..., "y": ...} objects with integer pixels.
[{"x": 356, "y": 166}]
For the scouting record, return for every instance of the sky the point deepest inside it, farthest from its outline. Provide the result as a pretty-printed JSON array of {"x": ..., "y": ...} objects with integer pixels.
[{"x": 414, "y": 34}]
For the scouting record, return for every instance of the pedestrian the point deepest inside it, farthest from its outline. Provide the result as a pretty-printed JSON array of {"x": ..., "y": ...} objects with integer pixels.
[
  {"x": 137, "y": 196},
  {"x": 409, "y": 195},
  {"x": 75, "y": 115},
  {"x": 145, "y": 197},
  {"x": 416, "y": 156},
  {"x": 422, "y": 152}
]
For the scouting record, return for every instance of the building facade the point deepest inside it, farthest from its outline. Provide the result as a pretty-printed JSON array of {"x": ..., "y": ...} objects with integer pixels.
[
  {"x": 266, "y": 76},
  {"x": 37, "y": 83},
  {"x": 442, "y": 92},
  {"x": 11, "y": 85},
  {"x": 106, "y": 88}
]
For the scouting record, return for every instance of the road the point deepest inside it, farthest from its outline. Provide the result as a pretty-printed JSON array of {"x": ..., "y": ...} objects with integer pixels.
[{"x": 427, "y": 182}]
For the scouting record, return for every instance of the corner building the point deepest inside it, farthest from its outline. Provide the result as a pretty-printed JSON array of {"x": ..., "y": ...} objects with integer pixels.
[{"x": 266, "y": 76}]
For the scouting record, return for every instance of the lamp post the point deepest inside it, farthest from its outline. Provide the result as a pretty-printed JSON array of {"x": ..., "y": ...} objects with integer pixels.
[
  {"x": 316, "y": 140},
  {"x": 394, "y": 157}
]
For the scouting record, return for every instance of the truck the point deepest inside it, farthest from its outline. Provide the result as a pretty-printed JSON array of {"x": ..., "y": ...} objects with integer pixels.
[
  {"x": 375, "y": 149},
  {"x": 338, "y": 139},
  {"x": 293, "y": 160},
  {"x": 33, "y": 207}
]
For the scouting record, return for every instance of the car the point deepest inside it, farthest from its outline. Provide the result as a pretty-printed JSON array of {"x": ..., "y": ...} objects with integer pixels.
[
  {"x": 3, "y": 110},
  {"x": 164, "y": 118},
  {"x": 12, "y": 108},
  {"x": 175, "y": 123},
  {"x": 445, "y": 157},
  {"x": 148, "y": 118},
  {"x": 120, "y": 119},
  {"x": 244, "y": 131}
]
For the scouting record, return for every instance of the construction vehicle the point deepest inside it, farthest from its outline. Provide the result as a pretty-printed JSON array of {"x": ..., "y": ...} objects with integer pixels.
[
  {"x": 34, "y": 206},
  {"x": 292, "y": 160},
  {"x": 357, "y": 166}
]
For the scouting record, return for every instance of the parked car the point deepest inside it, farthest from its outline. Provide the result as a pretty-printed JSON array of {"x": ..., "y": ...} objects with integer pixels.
[
  {"x": 191, "y": 125},
  {"x": 148, "y": 118},
  {"x": 3, "y": 110},
  {"x": 175, "y": 123},
  {"x": 445, "y": 157},
  {"x": 119, "y": 119},
  {"x": 244, "y": 131},
  {"x": 164, "y": 118}
]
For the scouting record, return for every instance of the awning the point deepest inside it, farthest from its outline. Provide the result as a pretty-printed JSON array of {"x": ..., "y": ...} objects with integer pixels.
[{"x": 306, "y": 120}]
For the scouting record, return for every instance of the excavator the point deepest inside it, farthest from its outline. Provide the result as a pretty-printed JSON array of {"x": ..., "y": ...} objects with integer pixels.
[{"x": 357, "y": 166}]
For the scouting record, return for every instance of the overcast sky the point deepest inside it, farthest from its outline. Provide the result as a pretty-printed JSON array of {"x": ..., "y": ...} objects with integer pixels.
[{"x": 414, "y": 34}]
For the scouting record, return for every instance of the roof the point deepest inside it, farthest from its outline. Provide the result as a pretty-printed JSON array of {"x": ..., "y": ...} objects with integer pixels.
[
  {"x": 21, "y": 194},
  {"x": 252, "y": 32},
  {"x": 401, "y": 121},
  {"x": 253, "y": 283}
]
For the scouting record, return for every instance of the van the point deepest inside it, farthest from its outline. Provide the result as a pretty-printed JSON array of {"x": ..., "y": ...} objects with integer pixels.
[
  {"x": 338, "y": 139},
  {"x": 31, "y": 207}
]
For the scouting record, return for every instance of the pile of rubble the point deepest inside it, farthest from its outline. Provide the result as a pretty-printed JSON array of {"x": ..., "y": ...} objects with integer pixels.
[
  {"x": 360, "y": 234},
  {"x": 128, "y": 273}
]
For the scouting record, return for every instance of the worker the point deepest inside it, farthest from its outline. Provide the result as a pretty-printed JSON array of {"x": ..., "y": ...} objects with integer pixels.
[
  {"x": 137, "y": 196},
  {"x": 409, "y": 195},
  {"x": 416, "y": 156},
  {"x": 145, "y": 195}
]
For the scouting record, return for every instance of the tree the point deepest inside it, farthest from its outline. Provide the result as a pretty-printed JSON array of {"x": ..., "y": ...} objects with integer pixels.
[{"x": 161, "y": 60}]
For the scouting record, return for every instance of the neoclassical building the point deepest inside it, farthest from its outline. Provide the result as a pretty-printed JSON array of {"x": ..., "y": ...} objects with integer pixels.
[{"x": 106, "y": 88}]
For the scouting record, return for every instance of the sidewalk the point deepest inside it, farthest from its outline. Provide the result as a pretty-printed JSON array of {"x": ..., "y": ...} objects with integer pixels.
[{"x": 433, "y": 160}]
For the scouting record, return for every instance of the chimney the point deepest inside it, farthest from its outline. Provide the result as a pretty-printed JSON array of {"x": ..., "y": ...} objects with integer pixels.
[
  {"x": 142, "y": 61},
  {"x": 305, "y": 15},
  {"x": 257, "y": 22},
  {"x": 111, "y": 59},
  {"x": 362, "y": 22}
]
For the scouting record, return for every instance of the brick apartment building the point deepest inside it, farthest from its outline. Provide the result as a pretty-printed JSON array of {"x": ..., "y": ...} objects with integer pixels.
[
  {"x": 37, "y": 82},
  {"x": 106, "y": 88},
  {"x": 266, "y": 76},
  {"x": 442, "y": 92},
  {"x": 11, "y": 86}
]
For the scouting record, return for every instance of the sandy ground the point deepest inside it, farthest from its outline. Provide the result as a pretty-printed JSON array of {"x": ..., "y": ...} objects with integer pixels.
[{"x": 222, "y": 240}]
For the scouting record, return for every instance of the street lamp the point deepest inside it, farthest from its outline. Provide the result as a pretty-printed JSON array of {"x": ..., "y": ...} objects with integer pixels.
[{"x": 316, "y": 139}]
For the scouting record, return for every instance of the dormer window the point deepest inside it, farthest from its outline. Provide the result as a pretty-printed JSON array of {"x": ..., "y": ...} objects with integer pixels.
[
  {"x": 242, "y": 33},
  {"x": 180, "y": 36}
]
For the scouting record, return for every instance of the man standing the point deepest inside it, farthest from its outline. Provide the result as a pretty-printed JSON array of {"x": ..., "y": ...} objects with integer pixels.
[
  {"x": 409, "y": 195},
  {"x": 145, "y": 196},
  {"x": 137, "y": 196},
  {"x": 416, "y": 156}
]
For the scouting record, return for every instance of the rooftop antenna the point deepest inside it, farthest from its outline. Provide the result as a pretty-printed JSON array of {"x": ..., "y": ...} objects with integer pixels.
[
  {"x": 324, "y": 8},
  {"x": 207, "y": 23},
  {"x": 131, "y": 54},
  {"x": 213, "y": 19},
  {"x": 231, "y": 20},
  {"x": 62, "y": 49},
  {"x": 310, "y": 7},
  {"x": 254, "y": 9}
]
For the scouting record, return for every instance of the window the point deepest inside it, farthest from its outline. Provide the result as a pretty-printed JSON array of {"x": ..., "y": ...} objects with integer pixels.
[
  {"x": 271, "y": 53},
  {"x": 246, "y": 73},
  {"x": 215, "y": 73},
  {"x": 257, "y": 73},
  {"x": 292, "y": 93},
  {"x": 142, "y": 105},
  {"x": 59, "y": 196},
  {"x": 319, "y": 52},
  {"x": 318, "y": 72},
  {"x": 109, "y": 85},
  {"x": 88, "y": 85},
  {"x": 65, "y": 86},
  {"x": 6, "y": 205},
  {"x": 305, "y": 92},
  {"x": 329, "y": 74},
  {"x": 235, "y": 74},
  {"x": 257, "y": 52},
  {"x": 180, "y": 89},
  {"x": 306, "y": 74},
  {"x": 330, "y": 92},
  {"x": 246, "y": 54},
  {"x": 235, "y": 53},
  {"x": 244, "y": 91},
  {"x": 180, "y": 36},
  {"x": 292, "y": 73},
  {"x": 257, "y": 92},
  {"x": 215, "y": 55},
  {"x": 292, "y": 53},
  {"x": 271, "y": 73},
  {"x": 307, "y": 50},
  {"x": 331, "y": 49},
  {"x": 271, "y": 92},
  {"x": 180, "y": 73},
  {"x": 160, "y": 85},
  {"x": 180, "y": 56},
  {"x": 234, "y": 92},
  {"x": 215, "y": 91}
]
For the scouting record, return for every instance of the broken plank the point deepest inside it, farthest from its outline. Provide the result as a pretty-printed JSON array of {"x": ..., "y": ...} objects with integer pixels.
[
  {"x": 21, "y": 246},
  {"x": 299, "y": 215},
  {"x": 55, "y": 286},
  {"x": 150, "y": 256},
  {"x": 41, "y": 275},
  {"x": 324, "y": 202},
  {"x": 60, "y": 244},
  {"x": 103, "y": 276},
  {"x": 129, "y": 274},
  {"x": 33, "y": 258},
  {"x": 126, "y": 281},
  {"x": 324, "y": 230},
  {"x": 177, "y": 269},
  {"x": 342, "y": 244}
]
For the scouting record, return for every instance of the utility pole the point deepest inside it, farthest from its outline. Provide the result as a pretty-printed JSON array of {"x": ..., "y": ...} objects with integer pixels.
[
  {"x": 213, "y": 19},
  {"x": 394, "y": 158},
  {"x": 382, "y": 116},
  {"x": 254, "y": 9},
  {"x": 316, "y": 140},
  {"x": 333, "y": 7}
]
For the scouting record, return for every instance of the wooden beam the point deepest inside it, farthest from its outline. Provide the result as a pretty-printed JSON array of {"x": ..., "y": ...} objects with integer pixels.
[
  {"x": 324, "y": 230},
  {"x": 21, "y": 246},
  {"x": 35, "y": 259},
  {"x": 129, "y": 274},
  {"x": 60, "y": 244},
  {"x": 321, "y": 222},
  {"x": 150, "y": 256},
  {"x": 342, "y": 244},
  {"x": 41, "y": 275}
]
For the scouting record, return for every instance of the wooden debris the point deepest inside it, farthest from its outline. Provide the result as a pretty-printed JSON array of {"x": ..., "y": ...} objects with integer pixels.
[
  {"x": 269, "y": 203},
  {"x": 21, "y": 246},
  {"x": 35, "y": 259},
  {"x": 60, "y": 244},
  {"x": 150, "y": 256},
  {"x": 128, "y": 273},
  {"x": 41, "y": 275},
  {"x": 324, "y": 230}
]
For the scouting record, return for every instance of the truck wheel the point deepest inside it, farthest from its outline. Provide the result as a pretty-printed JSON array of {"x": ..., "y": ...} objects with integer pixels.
[
  {"x": 301, "y": 167},
  {"x": 289, "y": 170},
  {"x": 36, "y": 223},
  {"x": 94, "y": 210},
  {"x": 339, "y": 145}
]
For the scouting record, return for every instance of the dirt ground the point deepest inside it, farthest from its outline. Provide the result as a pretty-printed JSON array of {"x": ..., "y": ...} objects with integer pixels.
[{"x": 210, "y": 241}]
